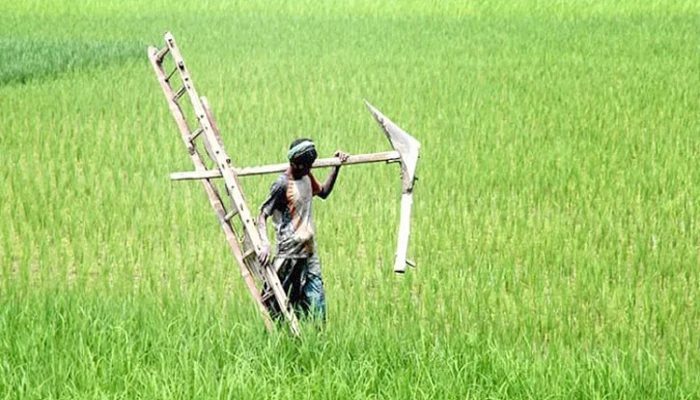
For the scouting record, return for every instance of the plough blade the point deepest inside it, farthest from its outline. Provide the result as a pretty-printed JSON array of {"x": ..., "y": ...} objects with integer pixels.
[
  {"x": 408, "y": 148},
  {"x": 402, "y": 142}
]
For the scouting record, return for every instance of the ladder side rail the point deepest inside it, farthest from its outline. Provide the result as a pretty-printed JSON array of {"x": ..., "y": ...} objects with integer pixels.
[
  {"x": 246, "y": 272},
  {"x": 251, "y": 233},
  {"x": 215, "y": 127},
  {"x": 220, "y": 157},
  {"x": 174, "y": 107},
  {"x": 212, "y": 194},
  {"x": 232, "y": 240}
]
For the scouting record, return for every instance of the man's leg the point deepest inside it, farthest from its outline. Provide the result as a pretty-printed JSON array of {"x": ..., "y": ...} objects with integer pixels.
[
  {"x": 289, "y": 274},
  {"x": 291, "y": 277},
  {"x": 313, "y": 291}
]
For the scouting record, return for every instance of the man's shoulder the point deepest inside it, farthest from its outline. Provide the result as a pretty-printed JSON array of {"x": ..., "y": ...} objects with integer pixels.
[
  {"x": 282, "y": 178},
  {"x": 280, "y": 183},
  {"x": 277, "y": 196}
]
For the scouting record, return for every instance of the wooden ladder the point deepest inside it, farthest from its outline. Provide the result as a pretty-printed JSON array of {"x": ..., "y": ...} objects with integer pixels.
[{"x": 244, "y": 240}]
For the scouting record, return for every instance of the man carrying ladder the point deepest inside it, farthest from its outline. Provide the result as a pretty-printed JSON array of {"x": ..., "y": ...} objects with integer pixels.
[
  {"x": 290, "y": 203},
  {"x": 296, "y": 260}
]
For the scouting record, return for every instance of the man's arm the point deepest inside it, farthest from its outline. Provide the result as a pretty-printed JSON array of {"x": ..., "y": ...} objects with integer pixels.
[
  {"x": 274, "y": 201},
  {"x": 264, "y": 256},
  {"x": 327, "y": 186}
]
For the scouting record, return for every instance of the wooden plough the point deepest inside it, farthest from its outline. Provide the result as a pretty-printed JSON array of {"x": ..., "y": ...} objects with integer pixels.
[{"x": 236, "y": 220}]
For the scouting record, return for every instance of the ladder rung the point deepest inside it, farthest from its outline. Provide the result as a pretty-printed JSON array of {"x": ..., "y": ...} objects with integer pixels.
[
  {"x": 267, "y": 295},
  {"x": 196, "y": 133},
  {"x": 180, "y": 92},
  {"x": 171, "y": 75},
  {"x": 161, "y": 53},
  {"x": 248, "y": 253},
  {"x": 230, "y": 215}
]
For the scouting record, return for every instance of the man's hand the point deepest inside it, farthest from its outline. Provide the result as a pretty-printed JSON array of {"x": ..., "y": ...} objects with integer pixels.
[
  {"x": 327, "y": 186},
  {"x": 264, "y": 255},
  {"x": 343, "y": 156}
]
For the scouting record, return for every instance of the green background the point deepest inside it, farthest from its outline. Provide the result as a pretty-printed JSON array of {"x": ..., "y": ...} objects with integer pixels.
[{"x": 555, "y": 222}]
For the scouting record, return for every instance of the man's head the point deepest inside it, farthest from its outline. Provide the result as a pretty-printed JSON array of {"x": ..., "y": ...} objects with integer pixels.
[{"x": 302, "y": 154}]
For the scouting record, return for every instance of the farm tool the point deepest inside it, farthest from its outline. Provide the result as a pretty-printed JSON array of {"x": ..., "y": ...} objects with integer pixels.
[{"x": 236, "y": 220}]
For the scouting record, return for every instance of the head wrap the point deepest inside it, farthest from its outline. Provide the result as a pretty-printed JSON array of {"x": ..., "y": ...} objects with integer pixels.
[{"x": 304, "y": 152}]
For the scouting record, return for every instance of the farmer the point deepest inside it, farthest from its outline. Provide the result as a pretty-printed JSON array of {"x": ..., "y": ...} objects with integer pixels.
[{"x": 290, "y": 205}]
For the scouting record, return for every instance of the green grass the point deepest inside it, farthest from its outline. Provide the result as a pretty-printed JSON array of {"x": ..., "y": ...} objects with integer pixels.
[
  {"x": 555, "y": 221},
  {"x": 24, "y": 60}
]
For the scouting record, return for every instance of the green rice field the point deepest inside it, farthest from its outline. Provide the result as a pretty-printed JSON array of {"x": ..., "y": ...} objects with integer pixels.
[{"x": 555, "y": 223}]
